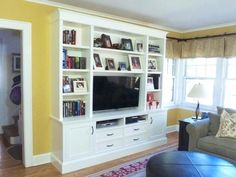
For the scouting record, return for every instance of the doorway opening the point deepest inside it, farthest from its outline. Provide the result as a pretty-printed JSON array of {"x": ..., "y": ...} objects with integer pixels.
[
  {"x": 10, "y": 95},
  {"x": 16, "y": 90}
]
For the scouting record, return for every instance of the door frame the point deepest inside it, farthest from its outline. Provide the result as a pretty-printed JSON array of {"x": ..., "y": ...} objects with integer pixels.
[{"x": 26, "y": 79}]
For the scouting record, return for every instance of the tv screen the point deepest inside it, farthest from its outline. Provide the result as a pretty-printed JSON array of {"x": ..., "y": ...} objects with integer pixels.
[{"x": 115, "y": 92}]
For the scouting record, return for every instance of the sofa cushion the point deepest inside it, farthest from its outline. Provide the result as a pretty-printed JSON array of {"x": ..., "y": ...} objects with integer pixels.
[
  {"x": 227, "y": 125},
  {"x": 214, "y": 123},
  {"x": 221, "y": 146},
  {"x": 229, "y": 110}
]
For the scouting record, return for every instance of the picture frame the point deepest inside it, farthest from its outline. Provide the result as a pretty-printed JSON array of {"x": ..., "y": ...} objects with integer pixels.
[
  {"x": 152, "y": 64},
  {"x": 140, "y": 47},
  {"x": 79, "y": 86},
  {"x": 135, "y": 63},
  {"x": 150, "y": 83},
  {"x": 16, "y": 62},
  {"x": 97, "y": 62},
  {"x": 127, "y": 44},
  {"x": 122, "y": 66},
  {"x": 106, "y": 41},
  {"x": 110, "y": 64}
]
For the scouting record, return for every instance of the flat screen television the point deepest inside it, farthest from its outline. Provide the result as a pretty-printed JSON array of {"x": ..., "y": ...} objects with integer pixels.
[{"x": 115, "y": 92}]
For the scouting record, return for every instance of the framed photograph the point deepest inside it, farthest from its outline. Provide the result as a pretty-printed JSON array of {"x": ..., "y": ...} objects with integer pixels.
[
  {"x": 122, "y": 66},
  {"x": 152, "y": 64},
  {"x": 135, "y": 63},
  {"x": 150, "y": 84},
  {"x": 106, "y": 41},
  {"x": 97, "y": 61},
  {"x": 110, "y": 64},
  {"x": 126, "y": 44},
  {"x": 79, "y": 86},
  {"x": 140, "y": 47},
  {"x": 16, "y": 62}
]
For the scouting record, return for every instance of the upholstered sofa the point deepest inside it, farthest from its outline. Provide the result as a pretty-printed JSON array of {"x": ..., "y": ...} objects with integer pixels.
[{"x": 202, "y": 137}]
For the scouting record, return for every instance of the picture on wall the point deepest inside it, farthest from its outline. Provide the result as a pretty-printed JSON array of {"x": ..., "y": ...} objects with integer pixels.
[{"x": 16, "y": 62}]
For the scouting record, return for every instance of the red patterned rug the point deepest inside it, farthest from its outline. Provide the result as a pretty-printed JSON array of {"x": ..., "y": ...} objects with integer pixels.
[{"x": 135, "y": 168}]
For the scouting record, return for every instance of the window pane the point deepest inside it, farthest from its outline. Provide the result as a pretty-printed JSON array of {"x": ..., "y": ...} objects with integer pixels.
[
  {"x": 201, "y": 67},
  {"x": 231, "y": 68},
  {"x": 230, "y": 94},
  {"x": 209, "y": 87}
]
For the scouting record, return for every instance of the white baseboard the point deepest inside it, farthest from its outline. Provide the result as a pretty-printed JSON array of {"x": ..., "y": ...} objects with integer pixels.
[
  {"x": 172, "y": 128},
  {"x": 41, "y": 159}
]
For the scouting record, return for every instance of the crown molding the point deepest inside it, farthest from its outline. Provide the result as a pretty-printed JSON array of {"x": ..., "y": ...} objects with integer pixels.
[
  {"x": 209, "y": 27},
  {"x": 104, "y": 15}
]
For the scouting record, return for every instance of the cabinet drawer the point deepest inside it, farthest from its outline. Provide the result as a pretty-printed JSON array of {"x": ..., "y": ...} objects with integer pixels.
[
  {"x": 135, "y": 139},
  {"x": 108, "y": 145},
  {"x": 108, "y": 134},
  {"x": 134, "y": 130}
]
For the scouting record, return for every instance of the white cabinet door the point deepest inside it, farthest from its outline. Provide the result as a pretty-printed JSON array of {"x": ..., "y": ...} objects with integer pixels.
[
  {"x": 157, "y": 124},
  {"x": 78, "y": 139}
]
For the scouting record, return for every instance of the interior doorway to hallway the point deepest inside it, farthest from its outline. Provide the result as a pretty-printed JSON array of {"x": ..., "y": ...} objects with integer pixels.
[
  {"x": 25, "y": 108},
  {"x": 10, "y": 97}
]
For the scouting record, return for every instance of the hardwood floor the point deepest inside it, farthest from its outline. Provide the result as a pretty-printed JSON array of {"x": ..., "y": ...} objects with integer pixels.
[{"x": 12, "y": 168}]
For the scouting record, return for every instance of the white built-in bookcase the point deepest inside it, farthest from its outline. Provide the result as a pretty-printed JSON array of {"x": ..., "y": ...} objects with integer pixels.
[{"x": 88, "y": 28}]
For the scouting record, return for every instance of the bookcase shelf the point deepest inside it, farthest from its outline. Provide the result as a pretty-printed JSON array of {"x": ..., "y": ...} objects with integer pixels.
[
  {"x": 75, "y": 71},
  {"x": 117, "y": 51},
  {"x": 76, "y": 141},
  {"x": 74, "y": 94},
  {"x": 155, "y": 55},
  {"x": 75, "y": 46}
]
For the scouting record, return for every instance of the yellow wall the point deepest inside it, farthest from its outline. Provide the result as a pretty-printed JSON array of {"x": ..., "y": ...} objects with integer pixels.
[
  {"x": 173, "y": 115},
  {"x": 215, "y": 31},
  {"x": 38, "y": 16}
]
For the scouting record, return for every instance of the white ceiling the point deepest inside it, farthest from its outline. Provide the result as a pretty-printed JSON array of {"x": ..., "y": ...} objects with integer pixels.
[{"x": 181, "y": 15}]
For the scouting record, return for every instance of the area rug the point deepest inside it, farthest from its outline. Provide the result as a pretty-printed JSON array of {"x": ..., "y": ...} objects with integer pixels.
[
  {"x": 15, "y": 151},
  {"x": 135, "y": 168}
]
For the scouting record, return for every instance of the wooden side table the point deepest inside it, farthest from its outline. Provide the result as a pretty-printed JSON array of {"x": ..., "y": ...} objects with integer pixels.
[{"x": 183, "y": 135}]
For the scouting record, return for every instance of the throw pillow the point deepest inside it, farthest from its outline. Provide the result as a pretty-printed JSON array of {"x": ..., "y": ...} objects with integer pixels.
[
  {"x": 229, "y": 110},
  {"x": 227, "y": 125},
  {"x": 214, "y": 123}
]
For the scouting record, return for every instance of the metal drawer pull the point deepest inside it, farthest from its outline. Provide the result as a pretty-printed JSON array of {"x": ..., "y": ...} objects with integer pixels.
[
  {"x": 110, "y": 134},
  {"x": 136, "y": 129},
  {"x": 110, "y": 145},
  {"x": 136, "y": 139}
]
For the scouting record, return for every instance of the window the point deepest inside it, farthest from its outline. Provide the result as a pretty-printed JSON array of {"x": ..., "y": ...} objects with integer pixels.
[
  {"x": 200, "y": 70},
  {"x": 230, "y": 84},
  {"x": 169, "y": 81}
]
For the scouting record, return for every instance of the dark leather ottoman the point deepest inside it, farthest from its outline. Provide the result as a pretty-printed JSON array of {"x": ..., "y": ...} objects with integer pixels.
[{"x": 188, "y": 164}]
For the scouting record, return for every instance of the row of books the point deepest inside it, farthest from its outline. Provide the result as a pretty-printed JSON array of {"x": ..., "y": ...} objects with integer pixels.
[
  {"x": 69, "y": 37},
  {"x": 71, "y": 62},
  {"x": 73, "y": 108},
  {"x": 154, "y": 48}
]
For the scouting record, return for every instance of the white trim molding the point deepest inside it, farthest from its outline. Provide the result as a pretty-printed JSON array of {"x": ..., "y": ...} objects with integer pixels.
[
  {"x": 41, "y": 159},
  {"x": 172, "y": 128},
  {"x": 26, "y": 72},
  {"x": 103, "y": 14}
]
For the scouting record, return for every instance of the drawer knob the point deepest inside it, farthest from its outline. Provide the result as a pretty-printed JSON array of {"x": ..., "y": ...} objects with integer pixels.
[
  {"x": 110, "y": 134},
  {"x": 110, "y": 145},
  {"x": 136, "y": 139},
  {"x": 136, "y": 129}
]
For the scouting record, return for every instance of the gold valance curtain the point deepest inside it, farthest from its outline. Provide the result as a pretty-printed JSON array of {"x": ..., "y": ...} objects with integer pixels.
[
  {"x": 224, "y": 46},
  {"x": 173, "y": 49},
  {"x": 230, "y": 46},
  {"x": 207, "y": 48}
]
